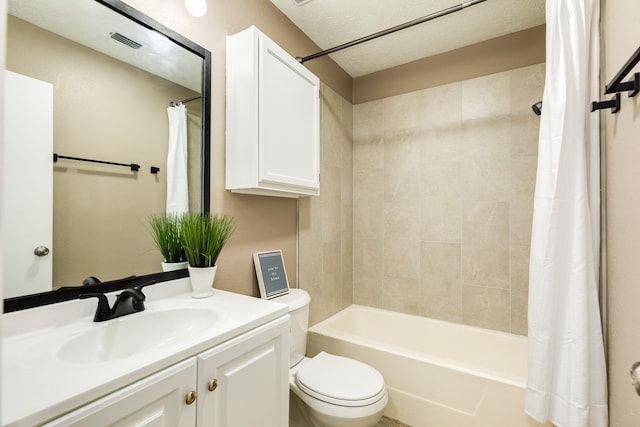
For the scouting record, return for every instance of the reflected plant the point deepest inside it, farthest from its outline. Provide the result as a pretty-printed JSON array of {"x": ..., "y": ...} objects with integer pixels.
[{"x": 165, "y": 231}]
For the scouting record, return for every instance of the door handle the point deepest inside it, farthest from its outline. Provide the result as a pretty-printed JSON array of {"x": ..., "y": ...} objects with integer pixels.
[{"x": 41, "y": 251}]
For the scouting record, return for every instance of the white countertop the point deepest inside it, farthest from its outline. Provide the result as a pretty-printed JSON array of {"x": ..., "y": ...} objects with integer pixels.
[{"x": 38, "y": 386}]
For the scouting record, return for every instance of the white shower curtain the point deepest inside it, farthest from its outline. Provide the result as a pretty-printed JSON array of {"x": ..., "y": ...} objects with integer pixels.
[
  {"x": 177, "y": 187},
  {"x": 567, "y": 374}
]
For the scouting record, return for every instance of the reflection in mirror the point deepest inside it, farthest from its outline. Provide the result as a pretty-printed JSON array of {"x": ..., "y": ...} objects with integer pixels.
[{"x": 94, "y": 80}]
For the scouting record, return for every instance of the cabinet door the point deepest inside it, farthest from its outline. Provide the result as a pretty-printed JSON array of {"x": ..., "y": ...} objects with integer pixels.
[
  {"x": 159, "y": 400},
  {"x": 288, "y": 122},
  {"x": 245, "y": 382}
]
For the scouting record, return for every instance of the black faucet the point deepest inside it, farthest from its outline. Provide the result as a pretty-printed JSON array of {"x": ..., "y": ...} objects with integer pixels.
[{"x": 130, "y": 300}]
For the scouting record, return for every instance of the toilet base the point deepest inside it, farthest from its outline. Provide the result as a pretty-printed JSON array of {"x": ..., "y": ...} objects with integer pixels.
[{"x": 310, "y": 412}]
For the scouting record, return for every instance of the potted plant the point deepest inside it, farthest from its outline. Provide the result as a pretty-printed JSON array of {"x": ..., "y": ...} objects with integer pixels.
[
  {"x": 165, "y": 231},
  {"x": 203, "y": 237}
]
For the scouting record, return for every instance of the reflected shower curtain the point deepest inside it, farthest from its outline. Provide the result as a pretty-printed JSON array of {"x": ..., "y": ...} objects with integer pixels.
[
  {"x": 566, "y": 373},
  {"x": 177, "y": 187}
]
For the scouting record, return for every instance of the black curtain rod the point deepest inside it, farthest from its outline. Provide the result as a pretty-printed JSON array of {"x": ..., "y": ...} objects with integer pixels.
[
  {"x": 176, "y": 103},
  {"x": 426, "y": 18},
  {"x": 617, "y": 85},
  {"x": 134, "y": 166}
]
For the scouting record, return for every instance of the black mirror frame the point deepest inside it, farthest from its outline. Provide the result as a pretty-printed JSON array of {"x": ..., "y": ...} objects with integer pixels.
[{"x": 70, "y": 293}]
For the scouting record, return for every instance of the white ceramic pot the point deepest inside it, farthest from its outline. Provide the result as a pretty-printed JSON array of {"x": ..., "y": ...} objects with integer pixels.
[
  {"x": 202, "y": 281},
  {"x": 173, "y": 266}
]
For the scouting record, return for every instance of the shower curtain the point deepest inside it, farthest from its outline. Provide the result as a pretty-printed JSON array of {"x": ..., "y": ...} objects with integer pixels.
[
  {"x": 177, "y": 187},
  {"x": 567, "y": 374}
]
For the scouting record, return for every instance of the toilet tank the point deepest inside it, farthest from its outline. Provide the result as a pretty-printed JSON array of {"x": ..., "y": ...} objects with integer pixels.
[{"x": 298, "y": 302}]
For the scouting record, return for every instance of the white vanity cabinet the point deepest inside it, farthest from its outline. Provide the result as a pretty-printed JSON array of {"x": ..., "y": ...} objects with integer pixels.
[
  {"x": 273, "y": 120},
  {"x": 241, "y": 382},
  {"x": 158, "y": 400},
  {"x": 245, "y": 382}
]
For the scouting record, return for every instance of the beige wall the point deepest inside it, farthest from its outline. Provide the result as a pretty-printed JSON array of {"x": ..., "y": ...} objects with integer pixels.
[
  {"x": 263, "y": 222},
  {"x": 621, "y": 35},
  {"x": 443, "y": 195},
  {"x": 106, "y": 110}
]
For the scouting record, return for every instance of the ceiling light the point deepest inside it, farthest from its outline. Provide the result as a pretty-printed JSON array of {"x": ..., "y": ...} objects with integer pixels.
[{"x": 196, "y": 8}]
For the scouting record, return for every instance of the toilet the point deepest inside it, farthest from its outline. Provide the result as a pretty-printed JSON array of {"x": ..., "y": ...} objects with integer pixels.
[{"x": 335, "y": 391}]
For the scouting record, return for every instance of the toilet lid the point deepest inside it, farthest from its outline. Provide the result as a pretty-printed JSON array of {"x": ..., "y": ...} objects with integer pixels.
[{"x": 340, "y": 381}]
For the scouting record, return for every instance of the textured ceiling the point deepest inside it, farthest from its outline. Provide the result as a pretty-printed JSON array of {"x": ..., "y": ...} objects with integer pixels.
[{"x": 333, "y": 22}]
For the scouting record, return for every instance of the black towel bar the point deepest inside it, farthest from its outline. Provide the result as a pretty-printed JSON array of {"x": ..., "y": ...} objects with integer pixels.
[{"x": 134, "y": 166}]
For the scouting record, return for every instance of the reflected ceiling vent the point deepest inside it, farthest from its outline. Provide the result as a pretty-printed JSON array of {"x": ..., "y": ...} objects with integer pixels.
[
  {"x": 126, "y": 40},
  {"x": 301, "y": 2}
]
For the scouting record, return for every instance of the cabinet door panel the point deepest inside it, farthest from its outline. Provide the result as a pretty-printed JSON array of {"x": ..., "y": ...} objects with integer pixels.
[
  {"x": 288, "y": 121},
  {"x": 156, "y": 401},
  {"x": 252, "y": 376}
]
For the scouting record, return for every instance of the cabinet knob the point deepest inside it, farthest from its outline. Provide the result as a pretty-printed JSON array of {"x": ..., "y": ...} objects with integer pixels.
[
  {"x": 212, "y": 385},
  {"x": 191, "y": 397}
]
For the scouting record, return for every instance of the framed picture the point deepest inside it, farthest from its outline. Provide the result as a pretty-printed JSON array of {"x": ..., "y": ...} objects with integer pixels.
[{"x": 271, "y": 274}]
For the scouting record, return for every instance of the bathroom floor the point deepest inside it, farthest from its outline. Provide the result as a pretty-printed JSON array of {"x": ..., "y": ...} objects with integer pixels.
[{"x": 388, "y": 422}]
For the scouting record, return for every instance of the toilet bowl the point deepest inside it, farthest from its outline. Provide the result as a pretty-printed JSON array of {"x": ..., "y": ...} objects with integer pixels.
[{"x": 335, "y": 391}]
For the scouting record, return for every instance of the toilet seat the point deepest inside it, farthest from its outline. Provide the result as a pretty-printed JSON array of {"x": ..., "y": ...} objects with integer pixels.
[{"x": 340, "y": 381}]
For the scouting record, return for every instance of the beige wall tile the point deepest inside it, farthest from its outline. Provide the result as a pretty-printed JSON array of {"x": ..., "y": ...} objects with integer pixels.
[
  {"x": 441, "y": 107},
  {"x": 459, "y": 220},
  {"x": 440, "y": 286},
  {"x": 519, "y": 288},
  {"x": 400, "y": 294},
  {"x": 325, "y": 223},
  {"x": 487, "y": 96},
  {"x": 401, "y": 165},
  {"x": 486, "y": 307},
  {"x": 486, "y": 169},
  {"x": 440, "y": 218},
  {"x": 442, "y": 179},
  {"x": 368, "y": 271},
  {"x": 527, "y": 85},
  {"x": 523, "y": 176},
  {"x": 369, "y": 184},
  {"x": 331, "y": 128},
  {"x": 521, "y": 210},
  {"x": 401, "y": 257},
  {"x": 368, "y": 220},
  {"x": 485, "y": 243},
  {"x": 367, "y": 120},
  {"x": 401, "y": 220},
  {"x": 441, "y": 145},
  {"x": 402, "y": 111}
]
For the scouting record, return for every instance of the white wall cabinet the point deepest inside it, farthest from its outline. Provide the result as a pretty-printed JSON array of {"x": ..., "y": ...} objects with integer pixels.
[
  {"x": 241, "y": 382},
  {"x": 273, "y": 120}
]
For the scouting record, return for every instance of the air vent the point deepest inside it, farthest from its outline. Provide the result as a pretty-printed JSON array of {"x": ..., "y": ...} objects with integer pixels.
[{"x": 125, "y": 40}]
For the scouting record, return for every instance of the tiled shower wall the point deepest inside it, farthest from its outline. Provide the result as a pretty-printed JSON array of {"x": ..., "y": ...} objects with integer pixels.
[
  {"x": 325, "y": 228},
  {"x": 443, "y": 183}
]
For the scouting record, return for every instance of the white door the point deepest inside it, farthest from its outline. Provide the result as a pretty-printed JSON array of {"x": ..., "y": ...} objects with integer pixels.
[{"x": 28, "y": 185}]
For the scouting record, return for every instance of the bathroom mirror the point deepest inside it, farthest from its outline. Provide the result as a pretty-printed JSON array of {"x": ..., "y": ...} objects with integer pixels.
[{"x": 113, "y": 73}]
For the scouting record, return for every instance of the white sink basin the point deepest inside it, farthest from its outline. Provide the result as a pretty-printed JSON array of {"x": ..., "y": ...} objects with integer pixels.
[{"x": 136, "y": 333}]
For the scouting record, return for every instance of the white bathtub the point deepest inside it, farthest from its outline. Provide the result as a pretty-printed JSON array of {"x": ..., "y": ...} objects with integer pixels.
[{"x": 438, "y": 374}]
